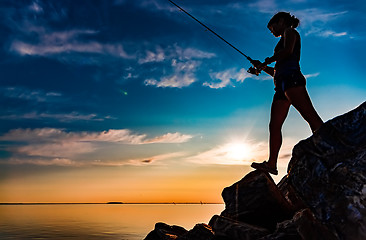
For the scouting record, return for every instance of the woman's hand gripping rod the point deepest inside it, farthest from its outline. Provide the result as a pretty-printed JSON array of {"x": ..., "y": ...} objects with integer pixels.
[{"x": 252, "y": 70}]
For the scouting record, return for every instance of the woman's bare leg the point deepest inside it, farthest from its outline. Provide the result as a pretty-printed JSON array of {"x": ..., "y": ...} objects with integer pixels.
[
  {"x": 279, "y": 111},
  {"x": 299, "y": 98}
]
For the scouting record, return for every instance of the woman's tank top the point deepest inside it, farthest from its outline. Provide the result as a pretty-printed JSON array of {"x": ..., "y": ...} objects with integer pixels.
[{"x": 290, "y": 63}]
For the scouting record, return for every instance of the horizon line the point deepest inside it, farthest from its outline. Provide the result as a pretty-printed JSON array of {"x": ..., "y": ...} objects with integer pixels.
[{"x": 109, "y": 203}]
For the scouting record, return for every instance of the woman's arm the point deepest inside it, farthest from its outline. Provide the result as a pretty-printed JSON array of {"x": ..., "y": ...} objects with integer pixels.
[
  {"x": 258, "y": 65},
  {"x": 269, "y": 70}
]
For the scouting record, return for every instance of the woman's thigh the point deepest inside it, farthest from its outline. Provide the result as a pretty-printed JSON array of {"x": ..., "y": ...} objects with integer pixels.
[{"x": 279, "y": 111}]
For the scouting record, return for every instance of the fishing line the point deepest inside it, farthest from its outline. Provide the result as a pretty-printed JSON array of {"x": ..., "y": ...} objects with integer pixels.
[
  {"x": 224, "y": 50},
  {"x": 251, "y": 69}
]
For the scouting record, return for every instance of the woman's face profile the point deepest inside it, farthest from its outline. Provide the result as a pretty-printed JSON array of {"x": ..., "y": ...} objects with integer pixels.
[{"x": 276, "y": 28}]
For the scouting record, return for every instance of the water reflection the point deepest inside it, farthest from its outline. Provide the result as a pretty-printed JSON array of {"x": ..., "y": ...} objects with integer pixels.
[{"x": 97, "y": 221}]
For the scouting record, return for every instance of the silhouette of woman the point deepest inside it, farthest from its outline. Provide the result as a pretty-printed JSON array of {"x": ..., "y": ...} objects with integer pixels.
[{"x": 289, "y": 85}]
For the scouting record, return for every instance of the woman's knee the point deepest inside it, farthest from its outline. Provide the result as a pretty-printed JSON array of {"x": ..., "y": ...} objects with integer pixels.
[{"x": 275, "y": 125}]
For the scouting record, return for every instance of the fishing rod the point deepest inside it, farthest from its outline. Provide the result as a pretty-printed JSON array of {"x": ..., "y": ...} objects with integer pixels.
[{"x": 251, "y": 69}]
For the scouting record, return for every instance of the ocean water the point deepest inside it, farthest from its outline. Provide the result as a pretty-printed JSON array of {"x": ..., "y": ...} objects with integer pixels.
[{"x": 97, "y": 221}]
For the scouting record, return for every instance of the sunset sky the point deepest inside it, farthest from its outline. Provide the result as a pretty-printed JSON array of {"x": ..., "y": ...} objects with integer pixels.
[{"x": 133, "y": 101}]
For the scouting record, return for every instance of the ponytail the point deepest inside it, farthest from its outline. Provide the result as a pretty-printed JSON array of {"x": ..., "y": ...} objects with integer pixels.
[{"x": 295, "y": 21}]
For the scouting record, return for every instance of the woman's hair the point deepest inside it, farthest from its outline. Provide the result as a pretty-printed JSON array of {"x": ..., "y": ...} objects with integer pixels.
[{"x": 291, "y": 20}]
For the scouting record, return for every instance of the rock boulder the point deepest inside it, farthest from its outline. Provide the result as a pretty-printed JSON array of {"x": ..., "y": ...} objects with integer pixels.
[{"x": 323, "y": 196}]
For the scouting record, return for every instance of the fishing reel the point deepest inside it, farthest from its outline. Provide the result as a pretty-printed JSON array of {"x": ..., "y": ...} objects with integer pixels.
[{"x": 253, "y": 70}]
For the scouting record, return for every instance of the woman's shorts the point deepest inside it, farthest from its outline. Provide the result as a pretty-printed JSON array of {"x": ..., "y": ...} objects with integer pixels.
[{"x": 285, "y": 81}]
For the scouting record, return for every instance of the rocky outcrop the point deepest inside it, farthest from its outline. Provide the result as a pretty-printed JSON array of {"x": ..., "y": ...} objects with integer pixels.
[
  {"x": 256, "y": 200},
  {"x": 328, "y": 173},
  {"x": 227, "y": 228},
  {"x": 323, "y": 196},
  {"x": 163, "y": 231}
]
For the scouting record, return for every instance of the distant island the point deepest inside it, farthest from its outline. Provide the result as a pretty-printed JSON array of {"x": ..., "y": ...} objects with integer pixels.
[{"x": 114, "y": 202}]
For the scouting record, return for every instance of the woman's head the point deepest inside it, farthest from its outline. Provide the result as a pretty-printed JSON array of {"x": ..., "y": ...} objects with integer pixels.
[{"x": 283, "y": 18}]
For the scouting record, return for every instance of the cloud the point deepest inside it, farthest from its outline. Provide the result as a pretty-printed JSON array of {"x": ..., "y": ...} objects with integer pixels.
[
  {"x": 124, "y": 136},
  {"x": 311, "y": 75},
  {"x": 183, "y": 75},
  {"x": 129, "y": 76},
  {"x": 174, "y": 52},
  {"x": 29, "y": 94},
  {"x": 158, "y": 56},
  {"x": 184, "y": 63},
  {"x": 317, "y": 22},
  {"x": 59, "y": 149},
  {"x": 325, "y": 33},
  {"x": 61, "y": 117},
  {"x": 35, "y": 34},
  {"x": 192, "y": 53},
  {"x": 66, "y": 162},
  {"x": 38, "y": 96},
  {"x": 42, "y": 162},
  {"x": 129, "y": 73},
  {"x": 35, "y": 7},
  {"x": 84, "y": 45},
  {"x": 227, "y": 78},
  {"x": 170, "y": 138},
  {"x": 311, "y": 16},
  {"x": 52, "y": 146},
  {"x": 330, "y": 33},
  {"x": 67, "y": 43},
  {"x": 264, "y": 6},
  {"x": 173, "y": 81},
  {"x": 155, "y": 5}
]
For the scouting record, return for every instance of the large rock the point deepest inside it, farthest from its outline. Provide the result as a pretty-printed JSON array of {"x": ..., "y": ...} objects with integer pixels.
[
  {"x": 231, "y": 229},
  {"x": 256, "y": 200},
  {"x": 328, "y": 172},
  {"x": 200, "y": 231},
  {"x": 290, "y": 194},
  {"x": 164, "y": 231},
  {"x": 302, "y": 226}
]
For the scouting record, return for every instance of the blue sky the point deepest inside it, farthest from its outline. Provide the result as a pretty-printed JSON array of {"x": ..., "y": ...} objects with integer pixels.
[{"x": 139, "y": 86}]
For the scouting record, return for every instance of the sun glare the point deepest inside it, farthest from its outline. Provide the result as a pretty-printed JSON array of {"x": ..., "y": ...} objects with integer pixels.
[{"x": 238, "y": 151}]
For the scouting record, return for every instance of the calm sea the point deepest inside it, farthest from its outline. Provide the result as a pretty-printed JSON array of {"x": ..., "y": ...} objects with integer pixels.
[{"x": 97, "y": 221}]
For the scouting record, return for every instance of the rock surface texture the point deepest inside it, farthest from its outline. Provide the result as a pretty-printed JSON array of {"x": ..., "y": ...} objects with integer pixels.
[{"x": 323, "y": 196}]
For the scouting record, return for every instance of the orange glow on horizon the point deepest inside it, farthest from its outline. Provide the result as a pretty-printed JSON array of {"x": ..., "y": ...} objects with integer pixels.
[{"x": 142, "y": 185}]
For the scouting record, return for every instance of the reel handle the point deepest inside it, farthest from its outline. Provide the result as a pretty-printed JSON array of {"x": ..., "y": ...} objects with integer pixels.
[{"x": 253, "y": 70}]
